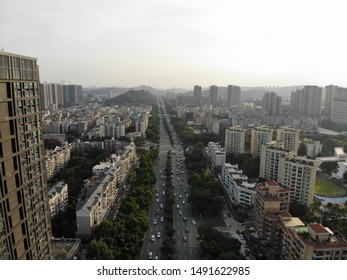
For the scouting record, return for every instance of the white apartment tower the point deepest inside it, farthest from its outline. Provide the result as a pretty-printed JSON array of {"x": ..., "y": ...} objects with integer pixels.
[
  {"x": 299, "y": 175},
  {"x": 290, "y": 138},
  {"x": 235, "y": 138},
  {"x": 260, "y": 135},
  {"x": 270, "y": 158}
]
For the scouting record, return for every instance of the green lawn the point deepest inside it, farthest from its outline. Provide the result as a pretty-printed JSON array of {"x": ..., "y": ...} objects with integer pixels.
[{"x": 325, "y": 187}]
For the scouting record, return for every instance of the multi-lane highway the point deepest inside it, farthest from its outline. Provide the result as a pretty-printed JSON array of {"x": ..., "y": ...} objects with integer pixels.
[{"x": 184, "y": 225}]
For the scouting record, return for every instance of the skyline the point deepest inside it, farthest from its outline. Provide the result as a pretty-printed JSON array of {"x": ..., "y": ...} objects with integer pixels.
[{"x": 168, "y": 44}]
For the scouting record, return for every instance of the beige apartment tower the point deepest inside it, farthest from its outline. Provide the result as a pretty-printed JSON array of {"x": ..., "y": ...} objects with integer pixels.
[
  {"x": 290, "y": 137},
  {"x": 25, "y": 229},
  {"x": 299, "y": 175},
  {"x": 260, "y": 135}
]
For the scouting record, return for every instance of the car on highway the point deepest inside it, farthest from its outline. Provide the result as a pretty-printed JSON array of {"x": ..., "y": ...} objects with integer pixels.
[
  {"x": 154, "y": 221},
  {"x": 158, "y": 234},
  {"x": 183, "y": 202},
  {"x": 152, "y": 238},
  {"x": 184, "y": 238},
  {"x": 150, "y": 255},
  {"x": 180, "y": 213},
  {"x": 162, "y": 219},
  {"x": 194, "y": 222},
  {"x": 184, "y": 219},
  {"x": 161, "y": 206},
  {"x": 187, "y": 230}
]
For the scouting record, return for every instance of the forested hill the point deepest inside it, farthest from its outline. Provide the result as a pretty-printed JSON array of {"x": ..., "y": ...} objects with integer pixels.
[{"x": 133, "y": 97}]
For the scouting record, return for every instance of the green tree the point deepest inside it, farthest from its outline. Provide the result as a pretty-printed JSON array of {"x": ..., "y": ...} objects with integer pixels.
[
  {"x": 328, "y": 167},
  {"x": 50, "y": 143}
]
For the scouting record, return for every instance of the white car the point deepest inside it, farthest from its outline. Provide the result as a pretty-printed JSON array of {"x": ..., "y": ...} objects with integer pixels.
[
  {"x": 158, "y": 234},
  {"x": 180, "y": 213},
  {"x": 194, "y": 222},
  {"x": 152, "y": 238},
  {"x": 162, "y": 219},
  {"x": 154, "y": 221}
]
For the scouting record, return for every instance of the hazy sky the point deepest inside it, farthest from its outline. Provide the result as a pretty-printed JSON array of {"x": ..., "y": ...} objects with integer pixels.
[{"x": 166, "y": 43}]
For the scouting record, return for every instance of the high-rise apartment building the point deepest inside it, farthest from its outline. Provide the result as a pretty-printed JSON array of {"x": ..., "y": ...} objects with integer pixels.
[
  {"x": 328, "y": 99},
  {"x": 307, "y": 101},
  {"x": 339, "y": 105},
  {"x": 270, "y": 158},
  {"x": 25, "y": 228},
  {"x": 271, "y": 200},
  {"x": 260, "y": 135},
  {"x": 235, "y": 138},
  {"x": 298, "y": 173},
  {"x": 51, "y": 96},
  {"x": 213, "y": 96},
  {"x": 233, "y": 95},
  {"x": 72, "y": 94},
  {"x": 272, "y": 103},
  {"x": 290, "y": 137},
  {"x": 197, "y": 96}
]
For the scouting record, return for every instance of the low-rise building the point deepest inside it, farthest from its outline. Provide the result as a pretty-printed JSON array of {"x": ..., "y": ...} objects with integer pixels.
[
  {"x": 216, "y": 154},
  {"x": 58, "y": 198},
  {"x": 91, "y": 211},
  {"x": 236, "y": 185},
  {"x": 57, "y": 159},
  {"x": 310, "y": 242}
]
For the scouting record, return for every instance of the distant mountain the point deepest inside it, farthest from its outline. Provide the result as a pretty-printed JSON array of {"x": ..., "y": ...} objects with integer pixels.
[{"x": 133, "y": 97}]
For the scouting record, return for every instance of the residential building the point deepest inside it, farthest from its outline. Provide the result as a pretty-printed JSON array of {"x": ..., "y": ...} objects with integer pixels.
[
  {"x": 56, "y": 159},
  {"x": 233, "y": 95},
  {"x": 101, "y": 189},
  {"x": 269, "y": 159},
  {"x": 307, "y": 101},
  {"x": 25, "y": 226},
  {"x": 290, "y": 138},
  {"x": 213, "y": 96},
  {"x": 91, "y": 211},
  {"x": 310, "y": 242},
  {"x": 72, "y": 94},
  {"x": 197, "y": 96},
  {"x": 272, "y": 103},
  {"x": 271, "y": 201},
  {"x": 298, "y": 173},
  {"x": 235, "y": 138},
  {"x": 216, "y": 155},
  {"x": 339, "y": 105},
  {"x": 313, "y": 148},
  {"x": 260, "y": 135},
  {"x": 58, "y": 198},
  {"x": 328, "y": 100},
  {"x": 237, "y": 188}
]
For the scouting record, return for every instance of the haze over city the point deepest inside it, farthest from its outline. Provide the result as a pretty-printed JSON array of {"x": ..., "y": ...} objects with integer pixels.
[{"x": 179, "y": 43}]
